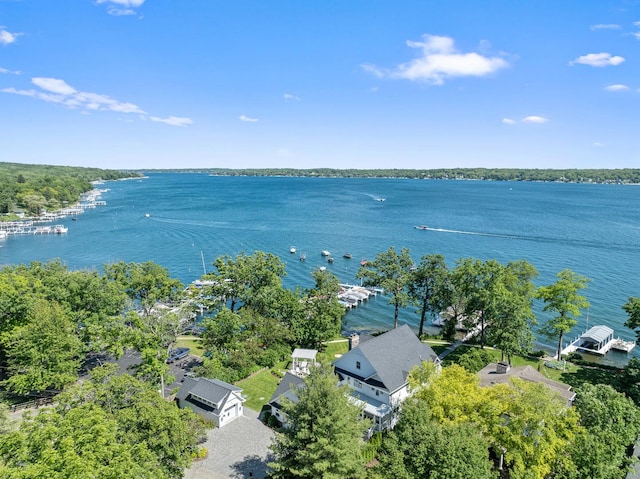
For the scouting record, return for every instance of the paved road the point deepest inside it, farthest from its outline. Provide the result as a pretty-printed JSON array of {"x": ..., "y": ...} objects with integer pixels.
[{"x": 236, "y": 450}]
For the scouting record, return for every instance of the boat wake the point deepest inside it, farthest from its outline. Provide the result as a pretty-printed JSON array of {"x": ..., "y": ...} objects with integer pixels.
[{"x": 476, "y": 233}]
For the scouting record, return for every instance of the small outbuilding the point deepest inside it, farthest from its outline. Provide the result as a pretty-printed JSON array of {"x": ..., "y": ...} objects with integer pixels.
[{"x": 213, "y": 399}]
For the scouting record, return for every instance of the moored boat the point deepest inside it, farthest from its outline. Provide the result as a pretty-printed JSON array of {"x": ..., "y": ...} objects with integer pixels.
[
  {"x": 325, "y": 253},
  {"x": 292, "y": 250},
  {"x": 347, "y": 256}
]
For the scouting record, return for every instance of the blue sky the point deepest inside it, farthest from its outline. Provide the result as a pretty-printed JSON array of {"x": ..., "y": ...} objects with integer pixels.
[{"x": 339, "y": 83}]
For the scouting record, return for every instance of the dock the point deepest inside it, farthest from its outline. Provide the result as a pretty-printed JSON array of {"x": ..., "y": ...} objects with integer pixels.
[
  {"x": 350, "y": 295},
  {"x": 598, "y": 340}
]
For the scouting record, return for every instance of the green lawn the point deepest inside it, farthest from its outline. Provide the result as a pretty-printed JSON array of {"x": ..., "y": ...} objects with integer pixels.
[
  {"x": 194, "y": 343},
  {"x": 259, "y": 388}
]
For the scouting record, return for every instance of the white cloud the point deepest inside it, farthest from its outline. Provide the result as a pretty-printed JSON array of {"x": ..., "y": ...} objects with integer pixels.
[
  {"x": 290, "y": 97},
  {"x": 54, "y": 85},
  {"x": 6, "y": 37},
  {"x": 10, "y": 72},
  {"x": 637, "y": 24},
  {"x": 173, "y": 120},
  {"x": 534, "y": 119},
  {"x": 598, "y": 60},
  {"x": 248, "y": 119},
  {"x": 616, "y": 87},
  {"x": 597, "y": 144},
  {"x": 440, "y": 60},
  {"x": 508, "y": 121},
  {"x": 54, "y": 90},
  {"x": 121, "y": 7},
  {"x": 636, "y": 34},
  {"x": 605, "y": 26}
]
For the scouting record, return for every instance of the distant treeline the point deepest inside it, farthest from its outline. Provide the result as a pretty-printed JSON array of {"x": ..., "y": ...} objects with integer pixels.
[
  {"x": 626, "y": 175},
  {"x": 34, "y": 188}
]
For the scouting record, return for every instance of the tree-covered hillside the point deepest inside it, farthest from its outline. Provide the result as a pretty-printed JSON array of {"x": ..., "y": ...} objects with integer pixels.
[{"x": 36, "y": 187}]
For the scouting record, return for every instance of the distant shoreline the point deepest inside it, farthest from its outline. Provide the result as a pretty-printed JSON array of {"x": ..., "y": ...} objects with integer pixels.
[{"x": 625, "y": 176}]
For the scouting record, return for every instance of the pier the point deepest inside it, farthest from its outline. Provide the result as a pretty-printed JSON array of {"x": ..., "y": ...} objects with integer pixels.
[
  {"x": 32, "y": 226},
  {"x": 598, "y": 340},
  {"x": 350, "y": 295}
]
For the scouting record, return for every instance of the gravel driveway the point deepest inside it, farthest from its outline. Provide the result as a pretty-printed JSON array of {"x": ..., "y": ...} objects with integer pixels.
[{"x": 238, "y": 449}]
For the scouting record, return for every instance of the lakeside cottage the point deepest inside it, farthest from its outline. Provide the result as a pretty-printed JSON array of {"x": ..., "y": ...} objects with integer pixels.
[{"x": 377, "y": 369}]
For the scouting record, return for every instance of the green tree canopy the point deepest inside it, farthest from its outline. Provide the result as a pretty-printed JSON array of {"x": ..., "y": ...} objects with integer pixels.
[
  {"x": 324, "y": 432},
  {"x": 430, "y": 287},
  {"x": 420, "y": 447},
  {"x": 45, "y": 353},
  {"x": 564, "y": 299},
  {"x": 391, "y": 271}
]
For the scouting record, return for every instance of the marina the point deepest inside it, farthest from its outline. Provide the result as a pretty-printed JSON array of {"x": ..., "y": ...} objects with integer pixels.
[{"x": 33, "y": 226}]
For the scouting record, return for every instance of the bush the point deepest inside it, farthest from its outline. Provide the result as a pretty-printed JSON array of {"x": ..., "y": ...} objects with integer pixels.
[
  {"x": 475, "y": 359},
  {"x": 538, "y": 354},
  {"x": 273, "y": 422},
  {"x": 266, "y": 415}
]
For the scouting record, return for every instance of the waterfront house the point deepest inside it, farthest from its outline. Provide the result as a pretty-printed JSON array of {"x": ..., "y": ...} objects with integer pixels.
[
  {"x": 501, "y": 373},
  {"x": 213, "y": 399},
  {"x": 377, "y": 370}
]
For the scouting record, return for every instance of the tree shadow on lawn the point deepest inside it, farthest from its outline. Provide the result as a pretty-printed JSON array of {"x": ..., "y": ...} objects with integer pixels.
[
  {"x": 591, "y": 375},
  {"x": 252, "y": 466}
]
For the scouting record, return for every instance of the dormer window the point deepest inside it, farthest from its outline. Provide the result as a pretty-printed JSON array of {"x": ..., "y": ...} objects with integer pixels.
[{"x": 357, "y": 364}]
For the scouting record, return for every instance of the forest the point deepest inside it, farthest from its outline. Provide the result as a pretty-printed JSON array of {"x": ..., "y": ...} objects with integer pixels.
[{"x": 36, "y": 188}]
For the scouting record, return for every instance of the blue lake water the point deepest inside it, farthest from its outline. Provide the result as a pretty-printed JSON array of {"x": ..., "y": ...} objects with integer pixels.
[{"x": 592, "y": 229}]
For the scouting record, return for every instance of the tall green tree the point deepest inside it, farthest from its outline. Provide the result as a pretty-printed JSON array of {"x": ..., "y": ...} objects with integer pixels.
[
  {"x": 474, "y": 281},
  {"x": 324, "y": 432},
  {"x": 144, "y": 420},
  {"x": 81, "y": 443},
  {"x": 511, "y": 309},
  {"x": 45, "y": 353},
  {"x": 147, "y": 284},
  {"x": 632, "y": 308},
  {"x": 612, "y": 424},
  {"x": 237, "y": 280},
  {"x": 563, "y": 299},
  {"x": 391, "y": 271},
  {"x": 420, "y": 447},
  {"x": 430, "y": 287}
]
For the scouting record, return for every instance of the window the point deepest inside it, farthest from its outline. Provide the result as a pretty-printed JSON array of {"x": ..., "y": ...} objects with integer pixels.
[
  {"x": 357, "y": 364},
  {"x": 357, "y": 384}
]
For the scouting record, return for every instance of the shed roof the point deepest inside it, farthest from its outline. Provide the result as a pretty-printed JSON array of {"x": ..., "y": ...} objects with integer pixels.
[
  {"x": 598, "y": 333},
  {"x": 304, "y": 354}
]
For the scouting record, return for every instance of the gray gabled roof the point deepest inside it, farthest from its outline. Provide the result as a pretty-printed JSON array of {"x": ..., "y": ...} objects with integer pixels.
[
  {"x": 488, "y": 377},
  {"x": 212, "y": 390},
  {"x": 393, "y": 354},
  {"x": 287, "y": 387}
]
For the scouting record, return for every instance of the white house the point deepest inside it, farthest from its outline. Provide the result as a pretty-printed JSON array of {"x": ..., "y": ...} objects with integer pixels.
[
  {"x": 212, "y": 399},
  {"x": 377, "y": 369}
]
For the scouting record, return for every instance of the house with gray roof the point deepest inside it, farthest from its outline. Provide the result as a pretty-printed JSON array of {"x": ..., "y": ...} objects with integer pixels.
[
  {"x": 377, "y": 372},
  {"x": 213, "y": 399},
  {"x": 500, "y": 373},
  {"x": 286, "y": 391}
]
